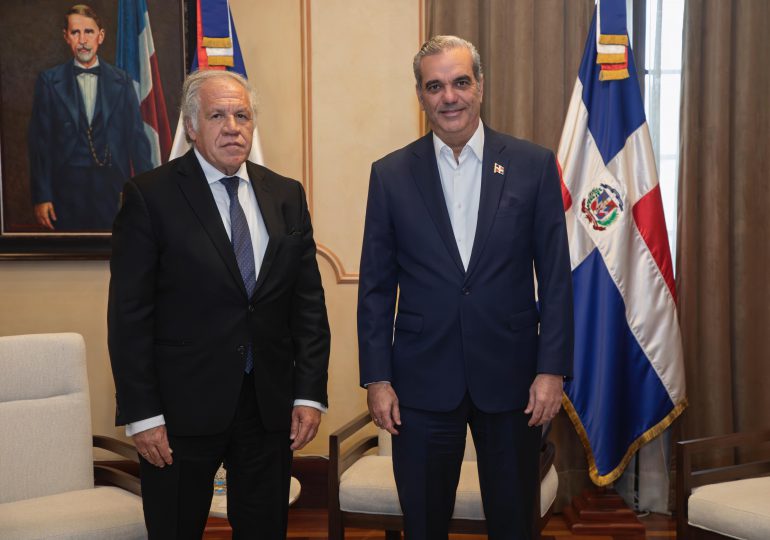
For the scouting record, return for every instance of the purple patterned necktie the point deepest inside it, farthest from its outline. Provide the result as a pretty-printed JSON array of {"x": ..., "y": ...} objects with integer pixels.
[{"x": 244, "y": 251}]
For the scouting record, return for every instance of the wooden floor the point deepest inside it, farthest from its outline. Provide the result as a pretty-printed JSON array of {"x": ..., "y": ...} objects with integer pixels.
[{"x": 310, "y": 523}]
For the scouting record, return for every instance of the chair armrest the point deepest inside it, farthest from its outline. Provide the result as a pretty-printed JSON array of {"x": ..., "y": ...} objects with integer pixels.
[
  {"x": 121, "y": 448},
  {"x": 105, "y": 475},
  {"x": 547, "y": 456},
  {"x": 687, "y": 477},
  {"x": 339, "y": 461}
]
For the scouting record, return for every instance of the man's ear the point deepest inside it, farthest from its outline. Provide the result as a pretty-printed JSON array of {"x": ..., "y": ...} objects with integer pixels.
[
  {"x": 481, "y": 89},
  {"x": 188, "y": 127},
  {"x": 101, "y": 36}
]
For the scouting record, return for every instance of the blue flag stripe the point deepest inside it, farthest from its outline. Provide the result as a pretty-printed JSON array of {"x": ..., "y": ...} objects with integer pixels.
[
  {"x": 613, "y": 414},
  {"x": 615, "y": 108}
]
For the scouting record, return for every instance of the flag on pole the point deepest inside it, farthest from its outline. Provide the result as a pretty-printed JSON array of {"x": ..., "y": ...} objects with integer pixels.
[
  {"x": 217, "y": 47},
  {"x": 136, "y": 55},
  {"x": 628, "y": 383}
]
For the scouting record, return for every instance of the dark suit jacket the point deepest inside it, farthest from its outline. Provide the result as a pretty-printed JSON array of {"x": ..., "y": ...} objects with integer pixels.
[
  {"x": 179, "y": 317},
  {"x": 55, "y": 125},
  {"x": 457, "y": 330}
]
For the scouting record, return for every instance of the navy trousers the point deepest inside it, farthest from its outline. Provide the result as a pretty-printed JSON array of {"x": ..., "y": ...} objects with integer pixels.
[{"x": 428, "y": 453}]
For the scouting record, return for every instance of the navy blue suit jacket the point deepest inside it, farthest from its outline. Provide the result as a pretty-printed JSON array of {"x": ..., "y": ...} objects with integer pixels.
[
  {"x": 479, "y": 331},
  {"x": 54, "y": 128}
]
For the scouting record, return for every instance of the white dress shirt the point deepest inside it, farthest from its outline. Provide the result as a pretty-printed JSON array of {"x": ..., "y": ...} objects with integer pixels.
[
  {"x": 259, "y": 238},
  {"x": 461, "y": 183},
  {"x": 88, "y": 84}
]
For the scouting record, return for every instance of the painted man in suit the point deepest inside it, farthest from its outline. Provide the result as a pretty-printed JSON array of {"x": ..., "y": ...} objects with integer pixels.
[
  {"x": 85, "y": 135},
  {"x": 458, "y": 223},
  {"x": 218, "y": 333}
]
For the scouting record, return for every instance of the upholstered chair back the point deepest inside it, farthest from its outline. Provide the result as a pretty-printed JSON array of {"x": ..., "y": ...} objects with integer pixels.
[{"x": 45, "y": 418}]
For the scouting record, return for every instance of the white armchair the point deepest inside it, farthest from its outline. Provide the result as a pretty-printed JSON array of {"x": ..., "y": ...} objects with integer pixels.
[
  {"x": 730, "y": 501},
  {"x": 362, "y": 489},
  {"x": 46, "y": 448}
]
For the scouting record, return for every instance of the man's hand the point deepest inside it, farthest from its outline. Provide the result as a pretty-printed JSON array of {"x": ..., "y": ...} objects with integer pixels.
[
  {"x": 304, "y": 425},
  {"x": 152, "y": 445},
  {"x": 45, "y": 215},
  {"x": 383, "y": 406},
  {"x": 544, "y": 398}
]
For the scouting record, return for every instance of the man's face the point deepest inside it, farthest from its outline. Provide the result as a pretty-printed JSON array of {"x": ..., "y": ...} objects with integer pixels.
[
  {"x": 225, "y": 125},
  {"x": 450, "y": 95},
  {"x": 84, "y": 37}
]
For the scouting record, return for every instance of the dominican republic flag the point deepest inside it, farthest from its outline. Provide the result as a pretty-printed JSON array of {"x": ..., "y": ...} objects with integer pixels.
[
  {"x": 136, "y": 55},
  {"x": 217, "y": 47},
  {"x": 628, "y": 383}
]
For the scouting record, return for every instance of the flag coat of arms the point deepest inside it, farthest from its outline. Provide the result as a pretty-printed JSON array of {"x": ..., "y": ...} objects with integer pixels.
[{"x": 628, "y": 383}]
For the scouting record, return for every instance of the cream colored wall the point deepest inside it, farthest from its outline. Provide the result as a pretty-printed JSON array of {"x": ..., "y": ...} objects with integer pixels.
[{"x": 335, "y": 92}]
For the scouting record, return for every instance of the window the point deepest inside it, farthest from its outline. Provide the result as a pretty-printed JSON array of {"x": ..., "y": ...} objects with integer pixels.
[{"x": 658, "y": 53}]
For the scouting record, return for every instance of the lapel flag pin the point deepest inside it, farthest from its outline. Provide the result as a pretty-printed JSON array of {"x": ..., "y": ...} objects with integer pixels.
[{"x": 499, "y": 169}]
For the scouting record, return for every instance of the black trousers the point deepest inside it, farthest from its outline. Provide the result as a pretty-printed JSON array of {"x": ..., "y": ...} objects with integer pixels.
[
  {"x": 427, "y": 456},
  {"x": 177, "y": 498}
]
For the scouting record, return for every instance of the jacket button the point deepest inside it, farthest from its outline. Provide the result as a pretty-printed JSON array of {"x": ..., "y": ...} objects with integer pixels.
[
  {"x": 242, "y": 350},
  {"x": 466, "y": 291},
  {"x": 251, "y": 308}
]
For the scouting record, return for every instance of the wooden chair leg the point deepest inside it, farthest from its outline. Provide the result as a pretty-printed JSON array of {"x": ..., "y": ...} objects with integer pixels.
[{"x": 336, "y": 530}]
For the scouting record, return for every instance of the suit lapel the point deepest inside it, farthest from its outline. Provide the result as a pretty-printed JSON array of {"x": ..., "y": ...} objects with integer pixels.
[
  {"x": 426, "y": 176},
  {"x": 271, "y": 215},
  {"x": 491, "y": 187},
  {"x": 66, "y": 86},
  {"x": 196, "y": 190},
  {"x": 107, "y": 86}
]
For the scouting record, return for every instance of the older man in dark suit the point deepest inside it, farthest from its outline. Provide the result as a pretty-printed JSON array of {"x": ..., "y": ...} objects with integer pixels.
[
  {"x": 85, "y": 135},
  {"x": 218, "y": 333},
  {"x": 458, "y": 225}
]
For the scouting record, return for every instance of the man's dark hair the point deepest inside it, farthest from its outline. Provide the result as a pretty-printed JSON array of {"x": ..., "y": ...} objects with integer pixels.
[{"x": 85, "y": 11}]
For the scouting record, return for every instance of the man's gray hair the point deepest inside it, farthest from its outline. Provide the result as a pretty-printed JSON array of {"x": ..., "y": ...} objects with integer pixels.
[
  {"x": 440, "y": 44},
  {"x": 191, "y": 99}
]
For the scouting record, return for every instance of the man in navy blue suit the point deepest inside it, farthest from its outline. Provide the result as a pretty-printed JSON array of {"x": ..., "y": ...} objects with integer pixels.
[
  {"x": 85, "y": 135},
  {"x": 462, "y": 226}
]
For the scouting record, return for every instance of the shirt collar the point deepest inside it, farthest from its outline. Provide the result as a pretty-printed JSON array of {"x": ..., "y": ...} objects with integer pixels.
[
  {"x": 475, "y": 143},
  {"x": 213, "y": 174},
  {"x": 78, "y": 64}
]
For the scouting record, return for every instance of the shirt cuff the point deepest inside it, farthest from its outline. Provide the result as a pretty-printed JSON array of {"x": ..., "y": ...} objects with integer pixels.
[
  {"x": 309, "y": 403},
  {"x": 366, "y": 385},
  {"x": 143, "y": 425}
]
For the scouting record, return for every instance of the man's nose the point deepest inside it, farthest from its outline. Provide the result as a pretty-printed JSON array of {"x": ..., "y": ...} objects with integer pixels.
[
  {"x": 449, "y": 96},
  {"x": 231, "y": 124}
]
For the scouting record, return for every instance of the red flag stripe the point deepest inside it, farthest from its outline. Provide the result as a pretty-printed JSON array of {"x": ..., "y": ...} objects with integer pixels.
[{"x": 649, "y": 218}]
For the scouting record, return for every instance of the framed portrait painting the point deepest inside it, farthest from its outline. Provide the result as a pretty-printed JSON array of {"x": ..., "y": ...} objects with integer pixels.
[{"x": 73, "y": 119}]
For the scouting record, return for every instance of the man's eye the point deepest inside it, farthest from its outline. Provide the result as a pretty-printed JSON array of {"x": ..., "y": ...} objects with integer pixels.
[
  {"x": 463, "y": 83},
  {"x": 243, "y": 116},
  {"x": 432, "y": 88}
]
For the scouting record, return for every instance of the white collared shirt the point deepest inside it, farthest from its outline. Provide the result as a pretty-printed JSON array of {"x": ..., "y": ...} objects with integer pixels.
[
  {"x": 88, "y": 84},
  {"x": 248, "y": 200},
  {"x": 259, "y": 239},
  {"x": 461, "y": 183}
]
